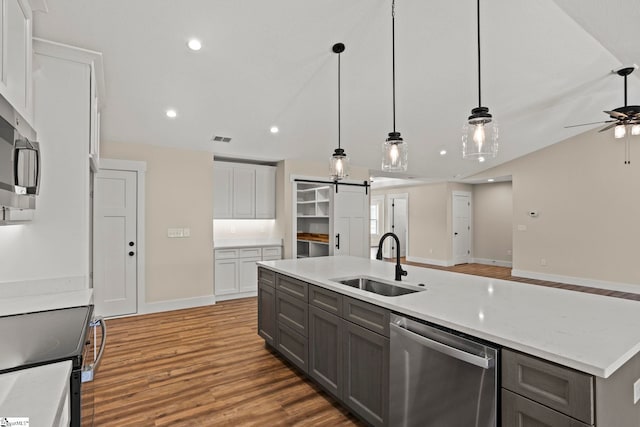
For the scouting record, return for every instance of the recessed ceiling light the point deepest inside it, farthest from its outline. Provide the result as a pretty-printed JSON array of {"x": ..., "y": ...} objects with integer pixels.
[
  {"x": 443, "y": 152},
  {"x": 274, "y": 129},
  {"x": 171, "y": 114},
  {"x": 490, "y": 180},
  {"x": 194, "y": 44}
]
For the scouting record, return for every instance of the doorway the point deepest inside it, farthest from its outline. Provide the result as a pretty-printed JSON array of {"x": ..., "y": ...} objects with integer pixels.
[
  {"x": 398, "y": 223},
  {"x": 461, "y": 227},
  {"x": 118, "y": 238}
]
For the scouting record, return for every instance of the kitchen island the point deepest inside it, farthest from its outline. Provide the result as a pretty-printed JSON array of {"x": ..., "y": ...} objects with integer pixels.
[{"x": 591, "y": 335}]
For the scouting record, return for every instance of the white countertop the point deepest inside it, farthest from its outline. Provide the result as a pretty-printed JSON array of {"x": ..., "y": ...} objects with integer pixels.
[
  {"x": 37, "y": 393},
  {"x": 52, "y": 301},
  {"x": 591, "y": 333},
  {"x": 245, "y": 243}
]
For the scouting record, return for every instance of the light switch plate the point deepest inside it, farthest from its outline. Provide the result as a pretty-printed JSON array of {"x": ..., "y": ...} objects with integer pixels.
[
  {"x": 636, "y": 391},
  {"x": 186, "y": 232}
]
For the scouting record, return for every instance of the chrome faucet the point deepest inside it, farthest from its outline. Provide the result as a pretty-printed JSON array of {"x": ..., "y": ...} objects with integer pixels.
[{"x": 399, "y": 271}]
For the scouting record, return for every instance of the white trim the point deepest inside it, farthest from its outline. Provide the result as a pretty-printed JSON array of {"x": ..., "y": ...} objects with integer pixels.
[
  {"x": 486, "y": 261},
  {"x": 437, "y": 262},
  {"x": 176, "y": 304},
  {"x": 140, "y": 168},
  {"x": 386, "y": 250},
  {"x": 236, "y": 296},
  {"x": 580, "y": 281}
]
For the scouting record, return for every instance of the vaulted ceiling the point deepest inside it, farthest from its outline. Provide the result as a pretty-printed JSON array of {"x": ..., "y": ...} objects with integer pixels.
[{"x": 546, "y": 64}]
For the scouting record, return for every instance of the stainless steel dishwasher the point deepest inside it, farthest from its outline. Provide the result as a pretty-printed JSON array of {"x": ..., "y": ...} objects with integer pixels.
[{"x": 439, "y": 379}]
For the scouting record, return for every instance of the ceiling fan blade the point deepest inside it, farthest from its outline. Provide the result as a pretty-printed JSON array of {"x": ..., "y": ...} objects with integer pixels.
[
  {"x": 609, "y": 126},
  {"x": 592, "y": 123},
  {"x": 616, "y": 114}
]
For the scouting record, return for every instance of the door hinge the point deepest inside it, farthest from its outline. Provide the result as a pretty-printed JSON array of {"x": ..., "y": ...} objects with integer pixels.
[
  {"x": 468, "y": 203},
  {"x": 468, "y": 252},
  {"x": 468, "y": 227}
]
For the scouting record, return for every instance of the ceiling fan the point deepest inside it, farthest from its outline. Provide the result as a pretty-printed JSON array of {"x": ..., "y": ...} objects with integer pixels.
[{"x": 624, "y": 117}]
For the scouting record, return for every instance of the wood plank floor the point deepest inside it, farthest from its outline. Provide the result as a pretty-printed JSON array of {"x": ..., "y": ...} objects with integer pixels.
[
  {"x": 207, "y": 366},
  {"x": 204, "y": 366}
]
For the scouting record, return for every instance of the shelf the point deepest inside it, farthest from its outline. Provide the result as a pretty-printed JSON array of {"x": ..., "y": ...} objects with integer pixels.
[
  {"x": 313, "y": 241},
  {"x": 312, "y": 216},
  {"x": 306, "y": 202}
]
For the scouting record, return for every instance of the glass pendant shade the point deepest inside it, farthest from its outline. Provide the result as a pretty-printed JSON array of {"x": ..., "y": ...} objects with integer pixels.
[
  {"x": 620, "y": 131},
  {"x": 395, "y": 153},
  {"x": 635, "y": 129},
  {"x": 480, "y": 135},
  {"x": 339, "y": 165}
]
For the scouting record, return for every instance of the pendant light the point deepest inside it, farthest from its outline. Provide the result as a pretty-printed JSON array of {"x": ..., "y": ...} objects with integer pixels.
[
  {"x": 339, "y": 162},
  {"x": 394, "y": 149},
  {"x": 480, "y": 131}
]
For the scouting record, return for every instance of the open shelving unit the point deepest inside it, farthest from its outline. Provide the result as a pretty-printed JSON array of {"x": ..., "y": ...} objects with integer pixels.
[{"x": 313, "y": 214}]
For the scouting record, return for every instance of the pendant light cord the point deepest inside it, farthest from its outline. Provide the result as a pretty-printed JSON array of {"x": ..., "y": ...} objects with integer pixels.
[
  {"x": 393, "y": 58},
  {"x": 338, "y": 100},
  {"x": 479, "y": 72}
]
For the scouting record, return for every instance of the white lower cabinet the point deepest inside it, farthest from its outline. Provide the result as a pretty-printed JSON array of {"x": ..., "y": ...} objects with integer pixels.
[{"x": 236, "y": 272}]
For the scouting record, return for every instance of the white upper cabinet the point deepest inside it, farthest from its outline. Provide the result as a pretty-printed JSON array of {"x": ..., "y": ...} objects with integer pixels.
[
  {"x": 265, "y": 192},
  {"x": 16, "y": 56},
  {"x": 243, "y": 191}
]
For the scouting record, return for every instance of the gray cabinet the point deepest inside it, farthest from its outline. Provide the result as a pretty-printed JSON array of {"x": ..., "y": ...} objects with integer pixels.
[
  {"x": 267, "y": 312},
  {"x": 366, "y": 373},
  {"x": 325, "y": 350},
  {"x": 341, "y": 342},
  {"x": 518, "y": 411},
  {"x": 566, "y": 395}
]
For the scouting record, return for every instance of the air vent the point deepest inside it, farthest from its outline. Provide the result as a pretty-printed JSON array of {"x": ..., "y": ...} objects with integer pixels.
[{"x": 218, "y": 138}]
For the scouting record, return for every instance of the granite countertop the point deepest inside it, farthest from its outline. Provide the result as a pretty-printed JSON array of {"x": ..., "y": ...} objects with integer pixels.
[
  {"x": 245, "y": 243},
  {"x": 591, "y": 333}
]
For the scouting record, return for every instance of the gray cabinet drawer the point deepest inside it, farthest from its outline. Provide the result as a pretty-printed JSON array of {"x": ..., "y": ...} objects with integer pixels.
[
  {"x": 555, "y": 386},
  {"x": 518, "y": 411},
  {"x": 250, "y": 253},
  {"x": 367, "y": 315},
  {"x": 272, "y": 253},
  {"x": 267, "y": 277},
  {"x": 292, "y": 312},
  {"x": 293, "y": 346},
  {"x": 327, "y": 300},
  {"x": 293, "y": 287}
]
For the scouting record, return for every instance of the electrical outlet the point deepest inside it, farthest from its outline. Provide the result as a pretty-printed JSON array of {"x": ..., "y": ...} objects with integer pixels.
[
  {"x": 636, "y": 391},
  {"x": 543, "y": 261}
]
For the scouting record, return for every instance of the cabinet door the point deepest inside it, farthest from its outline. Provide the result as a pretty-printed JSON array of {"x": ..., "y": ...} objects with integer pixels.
[
  {"x": 518, "y": 411},
  {"x": 366, "y": 373},
  {"x": 244, "y": 192},
  {"x": 17, "y": 69},
  {"x": 325, "y": 350},
  {"x": 222, "y": 191},
  {"x": 267, "y": 313},
  {"x": 265, "y": 192},
  {"x": 226, "y": 277},
  {"x": 248, "y": 274}
]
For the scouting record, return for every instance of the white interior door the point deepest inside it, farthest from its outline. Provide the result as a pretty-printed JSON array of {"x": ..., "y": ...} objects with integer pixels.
[
  {"x": 461, "y": 228},
  {"x": 115, "y": 244},
  {"x": 351, "y": 221},
  {"x": 398, "y": 223}
]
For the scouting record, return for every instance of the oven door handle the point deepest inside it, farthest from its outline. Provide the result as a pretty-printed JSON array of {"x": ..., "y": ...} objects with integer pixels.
[
  {"x": 89, "y": 371},
  {"x": 483, "y": 362}
]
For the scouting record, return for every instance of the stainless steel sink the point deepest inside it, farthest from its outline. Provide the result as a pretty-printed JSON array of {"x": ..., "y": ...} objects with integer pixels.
[{"x": 370, "y": 284}]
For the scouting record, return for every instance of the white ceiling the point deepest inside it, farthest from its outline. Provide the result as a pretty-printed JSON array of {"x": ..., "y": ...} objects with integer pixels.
[{"x": 546, "y": 64}]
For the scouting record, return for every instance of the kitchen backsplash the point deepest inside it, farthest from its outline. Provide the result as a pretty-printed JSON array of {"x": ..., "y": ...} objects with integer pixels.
[{"x": 245, "y": 228}]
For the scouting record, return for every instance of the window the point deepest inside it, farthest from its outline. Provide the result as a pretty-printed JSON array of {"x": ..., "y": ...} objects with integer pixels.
[{"x": 374, "y": 219}]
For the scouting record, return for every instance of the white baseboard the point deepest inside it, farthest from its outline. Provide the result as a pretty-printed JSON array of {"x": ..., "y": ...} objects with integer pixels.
[
  {"x": 438, "y": 262},
  {"x": 486, "y": 261},
  {"x": 236, "y": 296},
  {"x": 176, "y": 304},
  {"x": 580, "y": 281}
]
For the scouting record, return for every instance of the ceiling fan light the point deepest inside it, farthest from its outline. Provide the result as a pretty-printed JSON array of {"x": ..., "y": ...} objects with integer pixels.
[
  {"x": 395, "y": 153},
  {"x": 619, "y": 131},
  {"x": 339, "y": 165},
  {"x": 635, "y": 129}
]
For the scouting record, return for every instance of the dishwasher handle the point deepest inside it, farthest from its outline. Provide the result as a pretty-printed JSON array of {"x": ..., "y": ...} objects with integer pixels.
[{"x": 483, "y": 362}]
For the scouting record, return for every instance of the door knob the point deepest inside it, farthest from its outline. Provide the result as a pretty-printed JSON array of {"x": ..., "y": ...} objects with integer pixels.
[
  {"x": 455, "y": 234},
  {"x": 131, "y": 243},
  {"x": 132, "y": 253}
]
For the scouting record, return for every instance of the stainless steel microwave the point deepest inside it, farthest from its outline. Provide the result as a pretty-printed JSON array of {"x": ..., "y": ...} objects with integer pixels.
[{"x": 20, "y": 161}]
